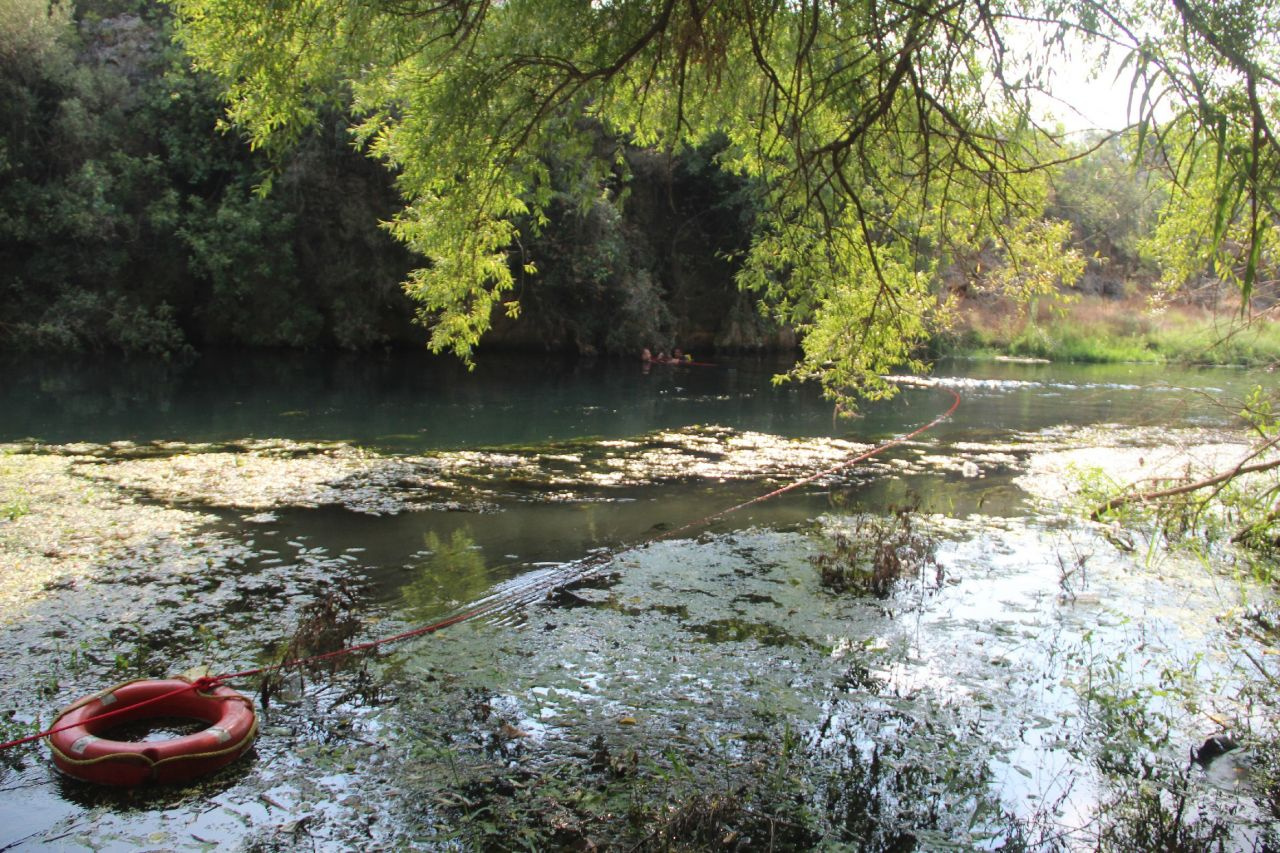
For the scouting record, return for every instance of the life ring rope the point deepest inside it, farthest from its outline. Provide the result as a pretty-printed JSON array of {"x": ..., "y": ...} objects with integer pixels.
[{"x": 197, "y": 685}]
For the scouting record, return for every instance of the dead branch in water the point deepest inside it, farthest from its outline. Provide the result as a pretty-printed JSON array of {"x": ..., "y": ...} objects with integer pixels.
[
  {"x": 1145, "y": 497},
  {"x": 1246, "y": 533}
]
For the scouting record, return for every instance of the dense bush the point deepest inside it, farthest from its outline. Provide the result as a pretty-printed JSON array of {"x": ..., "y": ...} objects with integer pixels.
[
  {"x": 130, "y": 222},
  {"x": 652, "y": 265}
]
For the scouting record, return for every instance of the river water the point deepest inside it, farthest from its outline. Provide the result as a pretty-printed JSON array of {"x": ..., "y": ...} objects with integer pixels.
[{"x": 1023, "y": 681}]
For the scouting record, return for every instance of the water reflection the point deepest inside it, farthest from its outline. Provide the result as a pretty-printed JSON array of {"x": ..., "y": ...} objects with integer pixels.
[
  {"x": 445, "y": 573},
  {"x": 411, "y": 401}
]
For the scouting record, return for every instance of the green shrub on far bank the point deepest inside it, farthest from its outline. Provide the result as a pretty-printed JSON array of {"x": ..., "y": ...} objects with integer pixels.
[
  {"x": 1219, "y": 343},
  {"x": 129, "y": 223},
  {"x": 1071, "y": 343}
]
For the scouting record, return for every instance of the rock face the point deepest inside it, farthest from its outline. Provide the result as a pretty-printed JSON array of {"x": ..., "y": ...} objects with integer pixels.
[{"x": 126, "y": 42}]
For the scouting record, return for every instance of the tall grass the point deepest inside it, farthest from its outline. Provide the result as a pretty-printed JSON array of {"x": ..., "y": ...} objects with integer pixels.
[{"x": 1107, "y": 331}]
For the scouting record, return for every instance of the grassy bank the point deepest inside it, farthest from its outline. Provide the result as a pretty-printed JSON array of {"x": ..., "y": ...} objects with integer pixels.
[{"x": 1102, "y": 330}]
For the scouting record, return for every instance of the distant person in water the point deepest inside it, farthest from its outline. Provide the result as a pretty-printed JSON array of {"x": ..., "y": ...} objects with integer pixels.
[{"x": 678, "y": 356}]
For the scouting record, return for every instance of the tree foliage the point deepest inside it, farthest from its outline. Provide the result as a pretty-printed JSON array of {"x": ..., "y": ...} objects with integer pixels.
[
  {"x": 872, "y": 143},
  {"x": 127, "y": 222},
  {"x": 880, "y": 137},
  {"x": 1206, "y": 97},
  {"x": 1111, "y": 203}
]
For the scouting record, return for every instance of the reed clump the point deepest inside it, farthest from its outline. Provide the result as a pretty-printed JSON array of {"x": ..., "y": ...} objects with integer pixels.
[{"x": 869, "y": 557}]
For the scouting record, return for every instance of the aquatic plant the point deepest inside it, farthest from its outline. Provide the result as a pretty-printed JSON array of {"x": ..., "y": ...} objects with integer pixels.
[
  {"x": 876, "y": 551},
  {"x": 16, "y": 508},
  {"x": 134, "y": 647},
  {"x": 329, "y": 623},
  {"x": 1154, "y": 816},
  {"x": 1154, "y": 793},
  {"x": 770, "y": 787},
  {"x": 11, "y": 728},
  {"x": 1072, "y": 571}
]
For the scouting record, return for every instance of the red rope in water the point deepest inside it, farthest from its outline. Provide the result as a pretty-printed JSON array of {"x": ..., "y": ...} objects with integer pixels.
[
  {"x": 861, "y": 457},
  {"x": 210, "y": 681}
]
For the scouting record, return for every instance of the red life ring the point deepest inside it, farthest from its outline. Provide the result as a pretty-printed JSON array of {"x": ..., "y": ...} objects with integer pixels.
[{"x": 78, "y": 751}]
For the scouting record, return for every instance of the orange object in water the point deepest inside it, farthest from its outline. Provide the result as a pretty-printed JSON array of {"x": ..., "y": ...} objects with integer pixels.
[{"x": 81, "y": 752}]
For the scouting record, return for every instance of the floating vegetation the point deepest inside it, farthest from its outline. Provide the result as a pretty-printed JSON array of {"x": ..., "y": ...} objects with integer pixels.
[
  {"x": 265, "y": 475},
  {"x": 1054, "y": 471},
  {"x": 261, "y": 476},
  {"x": 61, "y": 528},
  {"x": 709, "y": 692}
]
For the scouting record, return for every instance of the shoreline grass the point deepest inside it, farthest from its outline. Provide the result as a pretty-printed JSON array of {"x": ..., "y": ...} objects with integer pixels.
[{"x": 1101, "y": 331}]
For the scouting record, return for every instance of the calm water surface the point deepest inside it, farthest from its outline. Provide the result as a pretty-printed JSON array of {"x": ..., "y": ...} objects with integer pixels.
[{"x": 409, "y": 401}]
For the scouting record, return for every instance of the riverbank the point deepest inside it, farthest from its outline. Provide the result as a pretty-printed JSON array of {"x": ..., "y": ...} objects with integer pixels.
[{"x": 1097, "y": 330}]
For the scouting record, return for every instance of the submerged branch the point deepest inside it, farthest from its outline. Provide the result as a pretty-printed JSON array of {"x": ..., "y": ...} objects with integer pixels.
[{"x": 1248, "y": 532}]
